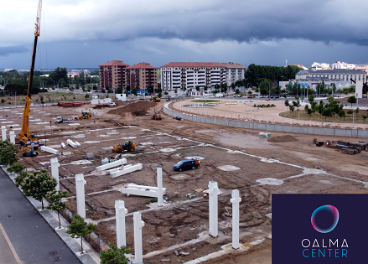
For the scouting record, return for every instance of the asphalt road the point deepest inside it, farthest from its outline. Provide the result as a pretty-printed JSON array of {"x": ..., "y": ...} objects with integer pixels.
[{"x": 33, "y": 240}]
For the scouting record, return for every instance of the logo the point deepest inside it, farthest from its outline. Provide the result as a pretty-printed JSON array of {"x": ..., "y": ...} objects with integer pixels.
[{"x": 325, "y": 218}]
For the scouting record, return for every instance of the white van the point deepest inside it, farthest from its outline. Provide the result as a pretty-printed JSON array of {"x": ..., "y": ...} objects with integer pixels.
[{"x": 219, "y": 95}]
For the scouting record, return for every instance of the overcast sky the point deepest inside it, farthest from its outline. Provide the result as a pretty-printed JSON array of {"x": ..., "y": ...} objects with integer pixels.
[{"x": 86, "y": 33}]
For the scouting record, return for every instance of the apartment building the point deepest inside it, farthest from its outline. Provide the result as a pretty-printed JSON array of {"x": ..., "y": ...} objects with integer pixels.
[
  {"x": 341, "y": 78},
  {"x": 113, "y": 74},
  {"x": 141, "y": 76},
  {"x": 189, "y": 75}
]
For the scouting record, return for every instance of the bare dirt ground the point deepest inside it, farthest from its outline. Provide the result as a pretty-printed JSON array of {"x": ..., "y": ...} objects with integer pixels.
[{"x": 182, "y": 224}]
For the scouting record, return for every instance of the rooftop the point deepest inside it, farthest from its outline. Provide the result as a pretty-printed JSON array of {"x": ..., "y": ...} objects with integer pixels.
[
  {"x": 142, "y": 65},
  {"x": 114, "y": 63},
  {"x": 335, "y": 71}
]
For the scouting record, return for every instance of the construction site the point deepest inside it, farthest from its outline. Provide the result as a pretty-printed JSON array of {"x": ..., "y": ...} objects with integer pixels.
[{"x": 235, "y": 158}]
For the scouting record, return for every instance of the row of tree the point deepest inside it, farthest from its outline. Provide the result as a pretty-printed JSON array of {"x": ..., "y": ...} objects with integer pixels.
[
  {"x": 40, "y": 185},
  {"x": 255, "y": 74}
]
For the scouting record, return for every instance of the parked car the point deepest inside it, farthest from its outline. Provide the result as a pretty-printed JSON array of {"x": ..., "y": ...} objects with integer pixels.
[
  {"x": 112, "y": 104},
  {"x": 186, "y": 165},
  {"x": 177, "y": 118}
]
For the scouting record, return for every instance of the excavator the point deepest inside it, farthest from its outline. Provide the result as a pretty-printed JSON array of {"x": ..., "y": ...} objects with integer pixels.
[
  {"x": 127, "y": 146},
  {"x": 28, "y": 141}
]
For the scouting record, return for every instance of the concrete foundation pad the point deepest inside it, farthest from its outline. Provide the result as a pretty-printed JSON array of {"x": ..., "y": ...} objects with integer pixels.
[
  {"x": 179, "y": 177},
  {"x": 195, "y": 157},
  {"x": 92, "y": 142},
  {"x": 167, "y": 150},
  {"x": 228, "y": 168},
  {"x": 81, "y": 162},
  {"x": 270, "y": 181}
]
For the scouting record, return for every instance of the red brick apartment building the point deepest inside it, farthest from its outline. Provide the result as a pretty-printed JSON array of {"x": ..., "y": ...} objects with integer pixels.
[
  {"x": 112, "y": 74},
  {"x": 141, "y": 76}
]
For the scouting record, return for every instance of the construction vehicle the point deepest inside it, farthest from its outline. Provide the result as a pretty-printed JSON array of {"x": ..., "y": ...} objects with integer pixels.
[
  {"x": 60, "y": 119},
  {"x": 25, "y": 137},
  {"x": 85, "y": 115},
  {"x": 115, "y": 157},
  {"x": 154, "y": 98},
  {"x": 127, "y": 146},
  {"x": 156, "y": 116}
]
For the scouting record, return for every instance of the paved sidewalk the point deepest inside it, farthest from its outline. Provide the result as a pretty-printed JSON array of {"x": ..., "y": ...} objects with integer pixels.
[{"x": 34, "y": 241}]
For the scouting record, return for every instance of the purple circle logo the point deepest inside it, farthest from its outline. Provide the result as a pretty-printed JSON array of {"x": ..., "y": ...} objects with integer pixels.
[{"x": 329, "y": 209}]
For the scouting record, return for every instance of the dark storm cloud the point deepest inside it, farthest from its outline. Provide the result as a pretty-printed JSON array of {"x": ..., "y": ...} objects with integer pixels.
[
  {"x": 244, "y": 21},
  {"x": 5, "y": 51}
]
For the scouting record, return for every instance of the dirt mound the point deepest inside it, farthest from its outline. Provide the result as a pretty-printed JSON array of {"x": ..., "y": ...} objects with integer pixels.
[
  {"x": 138, "y": 108},
  {"x": 286, "y": 138}
]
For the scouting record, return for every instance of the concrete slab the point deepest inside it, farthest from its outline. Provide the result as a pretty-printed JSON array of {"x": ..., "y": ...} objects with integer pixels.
[
  {"x": 270, "y": 181},
  {"x": 228, "y": 168}
]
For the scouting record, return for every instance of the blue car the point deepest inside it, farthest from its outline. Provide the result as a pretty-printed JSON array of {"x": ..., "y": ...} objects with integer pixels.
[{"x": 186, "y": 165}]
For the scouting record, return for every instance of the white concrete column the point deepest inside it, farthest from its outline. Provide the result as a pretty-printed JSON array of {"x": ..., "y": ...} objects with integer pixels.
[
  {"x": 12, "y": 137},
  {"x": 3, "y": 129},
  {"x": 81, "y": 199},
  {"x": 213, "y": 210},
  {"x": 121, "y": 212},
  {"x": 55, "y": 171},
  {"x": 138, "y": 246},
  {"x": 235, "y": 200},
  {"x": 159, "y": 187}
]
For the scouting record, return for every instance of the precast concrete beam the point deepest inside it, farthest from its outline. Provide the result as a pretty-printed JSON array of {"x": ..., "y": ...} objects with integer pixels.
[
  {"x": 71, "y": 143},
  {"x": 127, "y": 169},
  {"x": 112, "y": 164},
  {"x": 50, "y": 150}
]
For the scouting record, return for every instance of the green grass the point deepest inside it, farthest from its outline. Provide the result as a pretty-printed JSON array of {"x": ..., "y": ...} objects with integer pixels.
[
  {"x": 205, "y": 101},
  {"x": 48, "y": 97},
  {"x": 303, "y": 116}
]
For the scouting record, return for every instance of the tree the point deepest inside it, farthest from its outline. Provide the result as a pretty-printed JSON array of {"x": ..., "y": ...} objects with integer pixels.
[
  {"x": 176, "y": 91},
  {"x": 286, "y": 103},
  {"x": 311, "y": 98},
  {"x": 357, "y": 110},
  {"x": 16, "y": 167},
  {"x": 150, "y": 89},
  {"x": 341, "y": 114},
  {"x": 86, "y": 96},
  {"x": 94, "y": 87},
  {"x": 352, "y": 100},
  {"x": 237, "y": 91},
  {"x": 350, "y": 112},
  {"x": 197, "y": 88},
  {"x": 56, "y": 204},
  {"x": 119, "y": 90},
  {"x": 8, "y": 153},
  {"x": 291, "y": 108},
  {"x": 37, "y": 185},
  {"x": 365, "y": 118},
  {"x": 135, "y": 91},
  {"x": 78, "y": 227},
  {"x": 114, "y": 255},
  {"x": 327, "y": 112}
]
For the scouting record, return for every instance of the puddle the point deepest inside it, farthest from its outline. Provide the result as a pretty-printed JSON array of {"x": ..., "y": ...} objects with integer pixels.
[
  {"x": 228, "y": 168},
  {"x": 270, "y": 181},
  {"x": 268, "y": 160}
]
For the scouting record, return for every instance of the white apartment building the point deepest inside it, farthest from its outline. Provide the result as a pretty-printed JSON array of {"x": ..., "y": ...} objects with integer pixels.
[
  {"x": 343, "y": 65},
  {"x": 320, "y": 66},
  {"x": 340, "y": 77},
  {"x": 189, "y": 75}
]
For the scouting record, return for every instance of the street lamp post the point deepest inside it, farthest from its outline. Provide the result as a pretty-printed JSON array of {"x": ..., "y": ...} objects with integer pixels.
[
  {"x": 15, "y": 99},
  {"x": 269, "y": 90}
]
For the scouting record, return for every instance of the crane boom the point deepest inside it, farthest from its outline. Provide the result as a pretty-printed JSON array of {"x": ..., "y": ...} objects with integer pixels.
[{"x": 25, "y": 136}]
